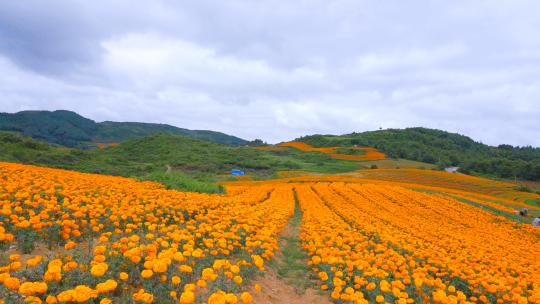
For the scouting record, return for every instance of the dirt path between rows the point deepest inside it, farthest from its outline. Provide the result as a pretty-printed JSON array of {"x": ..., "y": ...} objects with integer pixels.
[{"x": 287, "y": 278}]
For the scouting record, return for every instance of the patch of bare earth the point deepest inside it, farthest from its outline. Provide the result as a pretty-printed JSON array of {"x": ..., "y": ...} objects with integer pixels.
[{"x": 287, "y": 278}]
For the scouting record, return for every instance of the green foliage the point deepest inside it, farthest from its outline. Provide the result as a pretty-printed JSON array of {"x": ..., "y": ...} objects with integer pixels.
[
  {"x": 257, "y": 143},
  {"x": 182, "y": 181},
  {"x": 443, "y": 149},
  {"x": 17, "y": 148},
  {"x": 59, "y": 127},
  {"x": 533, "y": 202},
  {"x": 69, "y": 129},
  {"x": 350, "y": 151},
  {"x": 110, "y": 131},
  {"x": 26, "y": 239},
  {"x": 525, "y": 188}
]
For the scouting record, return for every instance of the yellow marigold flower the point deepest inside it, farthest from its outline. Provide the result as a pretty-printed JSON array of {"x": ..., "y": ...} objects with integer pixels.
[
  {"x": 99, "y": 270},
  {"x": 187, "y": 297},
  {"x": 31, "y": 288},
  {"x": 258, "y": 261},
  {"x": 237, "y": 279},
  {"x": 384, "y": 286},
  {"x": 217, "y": 298},
  {"x": 185, "y": 268},
  {"x": 12, "y": 283},
  {"x": 15, "y": 266},
  {"x": 208, "y": 274},
  {"x": 179, "y": 257},
  {"x": 14, "y": 257},
  {"x": 197, "y": 253},
  {"x": 82, "y": 293},
  {"x": 70, "y": 245},
  {"x": 235, "y": 269},
  {"x": 246, "y": 298},
  {"x": 33, "y": 300},
  {"x": 106, "y": 286},
  {"x": 257, "y": 287},
  {"x": 147, "y": 273},
  {"x": 33, "y": 262},
  {"x": 189, "y": 287},
  {"x": 201, "y": 283},
  {"x": 159, "y": 266},
  {"x": 231, "y": 298}
]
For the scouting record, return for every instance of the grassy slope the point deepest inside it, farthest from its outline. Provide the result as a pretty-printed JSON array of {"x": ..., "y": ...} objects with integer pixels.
[
  {"x": 393, "y": 163},
  {"x": 196, "y": 164},
  {"x": 443, "y": 149}
]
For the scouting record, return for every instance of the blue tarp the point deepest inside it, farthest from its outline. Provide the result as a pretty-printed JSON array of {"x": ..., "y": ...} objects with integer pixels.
[{"x": 237, "y": 172}]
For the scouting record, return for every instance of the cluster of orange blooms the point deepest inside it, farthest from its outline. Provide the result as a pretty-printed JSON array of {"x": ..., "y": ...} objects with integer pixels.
[
  {"x": 480, "y": 191},
  {"x": 380, "y": 243},
  {"x": 369, "y": 153},
  {"x": 450, "y": 181},
  {"x": 107, "y": 239}
]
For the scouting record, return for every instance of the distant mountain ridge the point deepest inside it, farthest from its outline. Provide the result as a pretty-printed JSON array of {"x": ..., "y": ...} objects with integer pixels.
[
  {"x": 70, "y": 129},
  {"x": 444, "y": 149}
]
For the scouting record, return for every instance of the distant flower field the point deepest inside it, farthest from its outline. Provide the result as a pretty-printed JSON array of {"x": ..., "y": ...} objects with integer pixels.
[
  {"x": 368, "y": 152},
  {"x": 68, "y": 237}
]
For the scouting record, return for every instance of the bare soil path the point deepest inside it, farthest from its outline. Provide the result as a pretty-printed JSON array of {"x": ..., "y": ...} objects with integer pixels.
[{"x": 287, "y": 278}]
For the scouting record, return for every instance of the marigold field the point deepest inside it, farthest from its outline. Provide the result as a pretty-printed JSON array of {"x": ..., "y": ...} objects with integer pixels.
[{"x": 69, "y": 237}]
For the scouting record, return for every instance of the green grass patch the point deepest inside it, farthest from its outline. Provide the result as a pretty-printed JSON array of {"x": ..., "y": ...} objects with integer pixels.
[
  {"x": 183, "y": 182},
  {"x": 350, "y": 151},
  {"x": 291, "y": 263},
  {"x": 393, "y": 163},
  {"x": 533, "y": 202},
  {"x": 525, "y": 188}
]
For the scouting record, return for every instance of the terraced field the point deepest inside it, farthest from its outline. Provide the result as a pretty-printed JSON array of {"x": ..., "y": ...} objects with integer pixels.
[{"x": 70, "y": 237}]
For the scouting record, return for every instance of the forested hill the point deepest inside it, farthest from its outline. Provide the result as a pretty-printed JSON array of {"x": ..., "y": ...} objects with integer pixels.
[
  {"x": 445, "y": 149},
  {"x": 70, "y": 129}
]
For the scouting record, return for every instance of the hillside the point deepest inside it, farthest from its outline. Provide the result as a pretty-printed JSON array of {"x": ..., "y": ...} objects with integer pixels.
[
  {"x": 444, "y": 149},
  {"x": 70, "y": 129},
  {"x": 191, "y": 160}
]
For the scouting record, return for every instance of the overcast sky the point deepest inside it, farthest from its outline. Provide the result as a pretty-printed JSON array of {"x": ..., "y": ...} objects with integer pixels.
[{"x": 280, "y": 69}]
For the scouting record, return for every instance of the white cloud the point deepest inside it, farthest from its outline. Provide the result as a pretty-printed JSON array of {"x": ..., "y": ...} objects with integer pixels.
[
  {"x": 155, "y": 61},
  {"x": 408, "y": 58}
]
